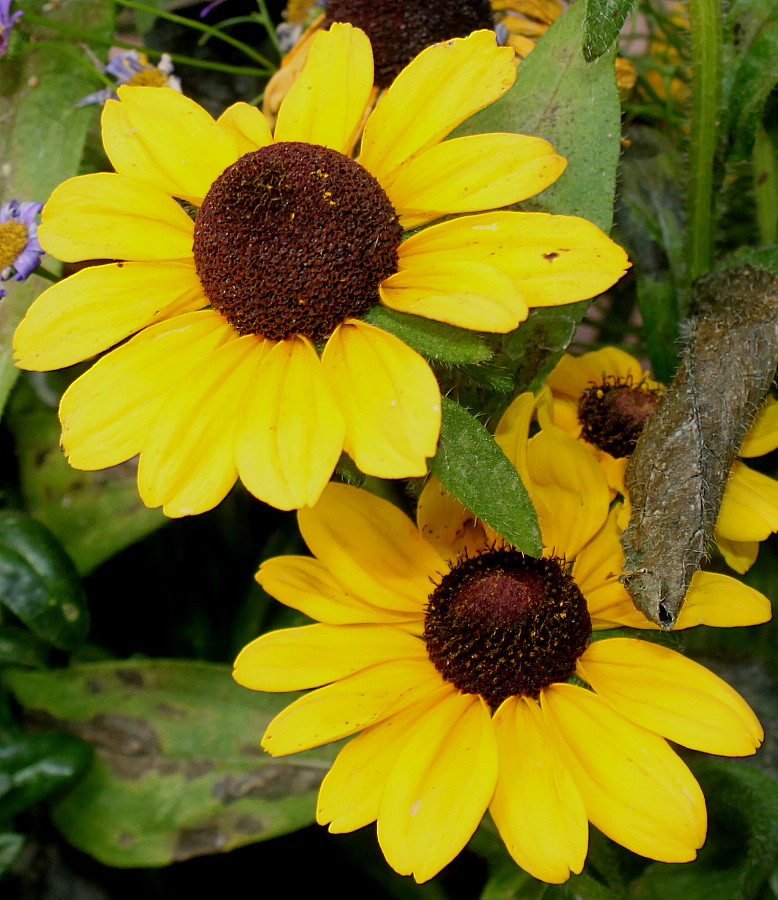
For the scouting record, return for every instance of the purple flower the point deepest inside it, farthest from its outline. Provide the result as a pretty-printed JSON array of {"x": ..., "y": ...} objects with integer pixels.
[
  {"x": 133, "y": 67},
  {"x": 20, "y": 252},
  {"x": 6, "y": 23}
]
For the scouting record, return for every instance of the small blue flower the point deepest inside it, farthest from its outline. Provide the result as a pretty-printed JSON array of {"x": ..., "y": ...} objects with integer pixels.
[
  {"x": 20, "y": 252},
  {"x": 7, "y": 20}
]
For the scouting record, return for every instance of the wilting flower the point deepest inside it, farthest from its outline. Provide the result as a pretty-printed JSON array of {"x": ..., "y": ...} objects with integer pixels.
[
  {"x": 292, "y": 242},
  {"x": 20, "y": 252},
  {"x": 7, "y": 19},
  {"x": 133, "y": 67},
  {"x": 454, "y": 665},
  {"x": 605, "y": 397}
]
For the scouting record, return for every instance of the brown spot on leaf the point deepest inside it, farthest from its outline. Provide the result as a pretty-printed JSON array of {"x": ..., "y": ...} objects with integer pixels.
[
  {"x": 271, "y": 782},
  {"x": 172, "y": 712},
  {"x": 198, "y": 842},
  {"x": 249, "y": 825},
  {"x": 131, "y": 678}
]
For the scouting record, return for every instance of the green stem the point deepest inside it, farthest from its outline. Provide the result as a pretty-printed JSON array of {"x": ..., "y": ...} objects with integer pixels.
[
  {"x": 44, "y": 273},
  {"x": 199, "y": 26},
  {"x": 88, "y": 38},
  {"x": 706, "y": 33},
  {"x": 270, "y": 27},
  {"x": 765, "y": 186}
]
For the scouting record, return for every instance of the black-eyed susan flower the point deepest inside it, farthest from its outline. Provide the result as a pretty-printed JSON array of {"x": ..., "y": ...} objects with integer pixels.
[
  {"x": 452, "y": 659},
  {"x": 287, "y": 241},
  {"x": 20, "y": 251},
  {"x": 604, "y": 398}
]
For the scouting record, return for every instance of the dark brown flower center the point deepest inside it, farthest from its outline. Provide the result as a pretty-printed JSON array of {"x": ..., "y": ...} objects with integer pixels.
[
  {"x": 503, "y": 624},
  {"x": 612, "y": 414},
  {"x": 401, "y": 29},
  {"x": 293, "y": 239}
]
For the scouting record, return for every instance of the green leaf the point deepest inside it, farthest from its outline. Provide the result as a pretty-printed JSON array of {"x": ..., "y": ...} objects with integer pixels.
[
  {"x": 604, "y": 20},
  {"x": 21, "y": 648},
  {"x": 93, "y": 514},
  {"x": 742, "y": 845},
  {"x": 39, "y": 583},
  {"x": 472, "y": 466},
  {"x": 34, "y": 765},
  {"x": 434, "y": 340},
  {"x": 574, "y": 104},
  {"x": 751, "y": 72},
  {"x": 10, "y": 847},
  {"x": 42, "y": 138},
  {"x": 178, "y": 770}
]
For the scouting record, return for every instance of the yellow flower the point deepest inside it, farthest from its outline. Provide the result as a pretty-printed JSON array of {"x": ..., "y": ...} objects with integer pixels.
[
  {"x": 454, "y": 669},
  {"x": 610, "y": 427},
  {"x": 292, "y": 242}
]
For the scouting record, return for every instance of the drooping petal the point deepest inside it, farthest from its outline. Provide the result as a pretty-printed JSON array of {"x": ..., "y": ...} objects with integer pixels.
[
  {"x": 188, "y": 461},
  {"x": 248, "y": 127},
  {"x": 370, "y": 545},
  {"x": 597, "y": 570},
  {"x": 468, "y": 174},
  {"x": 457, "y": 291},
  {"x": 446, "y": 524},
  {"x": 659, "y": 689},
  {"x": 304, "y": 583},
  {"x": 294, "y": 659},
  {"x": 326, "y": 103},
  {"x": 351, "y": 704},
  {"x": 551, "y": 259},
  {"x": 738, "y": 555},
  {"x": 636, "y": 790},
  {"x": 749, "y": 507},
  {"x": 291, "y": 434},
  {"x": 389, "y": 398},
  {"x": 100, "y": 306},
  {"x": 351, "y": 792},
  {"x": 163, "y": 138},
  {"x": 106, "y": 216},
  {"x": 536, "y": 806},
  {"x": 441, "y": 87},
  {"x": 439, "y": 787},
  {"x": 762, "y": 436},
  {"x": 107, "y": 412}
]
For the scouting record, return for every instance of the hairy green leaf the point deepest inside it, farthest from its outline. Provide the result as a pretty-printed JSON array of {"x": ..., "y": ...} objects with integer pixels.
[
  {"x": 472, "y": 466},
  {"x": 604, "y": 20},
  {"x": 39, "y": 583},
  {"x": 178, "y": 770}
]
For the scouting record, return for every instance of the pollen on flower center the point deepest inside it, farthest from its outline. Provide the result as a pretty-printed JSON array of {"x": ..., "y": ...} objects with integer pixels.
[
  {"x": 503, "y": 624},
  {"x": 401, "y": 29},
  {"x": 149, "y": 77},
  {"x": 612, "y": 415},
  {"x": 294, "y": 238},
  {"x": 13, "y": 239}
]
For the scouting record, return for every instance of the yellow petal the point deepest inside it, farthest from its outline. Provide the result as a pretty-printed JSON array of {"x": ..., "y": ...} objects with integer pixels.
[
  {"x": 439, "y": 787},
  {"x": 723, "y": 602},
  {"x": 551, "y": 259},
  {"x": 441, "y": 87},
  {"x": 762, "y": 436},
  {"x": 659, "y": 689},
  {"x": 738, "y": 555},
  {"x": 326, "y": 103},
  {"x": 749, "y": 507},
  {"x": 100, "y": 306},
  {"x": 635, "y": 788},
  {"x": 351, "y": 792},
  {"x": 291, "y": 435},
  {"x": 536, "y": 806},
  {"x": 293, "y": 659},
  {"x": 460, "y": 292},
  {"x": 573, "y": 374},
  {"x": 447, "y": 525},
  {"x": 468, "y": 174},
  {"x": 369, "y": 545},
  {"x": 188, "y": 461},
  {"x": 597, "y": 570},
  {"x": 107, "y": 412},
  {"x": 389, "y": 398},
  {"x": 163, "y": 138},
  {"x": 247, "y": 126},
  {"x": 351, "y": 704},
  {"x": 106, "y": 216},
  {"x": 306, "y": 584}
]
